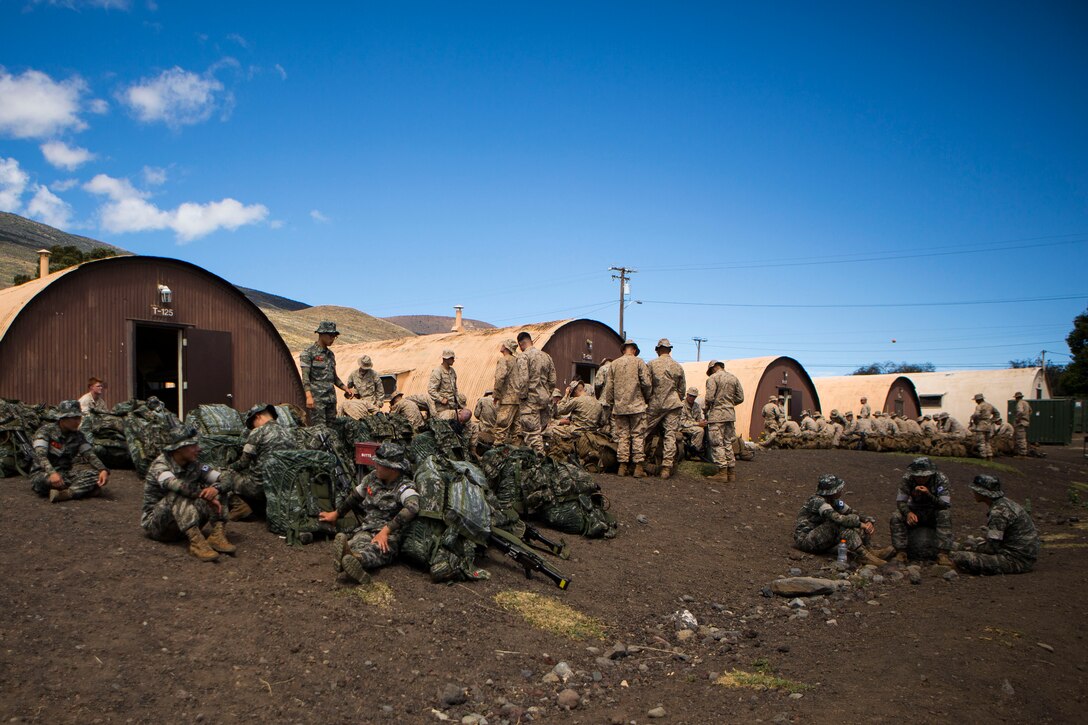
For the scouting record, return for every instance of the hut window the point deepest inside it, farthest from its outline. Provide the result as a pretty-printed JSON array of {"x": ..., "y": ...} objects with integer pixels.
[{"x": 930, "y": 401}]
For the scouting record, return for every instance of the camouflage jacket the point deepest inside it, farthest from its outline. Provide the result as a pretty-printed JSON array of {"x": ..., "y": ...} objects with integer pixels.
[
  {"x": 1023, "y": 413},
  {"x": 505, "y": 392},
  {"x": 269, "y": 438},
  {"x": 629, "y": 386},
  {"x": 58, "y": 450},
  {"x": 1010, "y": 532},
  {"x": 982, "y": 420},
  {"x": 408, "y": 408},
  {"x": 600, "y": 380},
  {"x": 367, "y": 386},
  {"x": 865, "y": 411},
  {"x": 817, "y": 511},
  {"x": 864, "y": 425},
  {"x": 441, "y": 386},
  {"x": 808, "y": 423},
  {"x": 770, "y": 413},
  {"x": 166, "y": 476},
  {"x": 928, "y": 427},
  {"x": 953, "y": 426},
  {"x": 319, "y": 376},
  {"x": 534, "y": 378},
  {"x": 790, "y": 428},
  {"x": 723, "y": 391},
  {"x": 88, "y": 404},
  {"x": 381, "y": 504},
  {"x": 669, "y": 384},
  {"x": 691, "y": 415},
  {"x": 912, "y": 427},
  {"x": 1004, "y": 430},
  {"x": 485, "y": 411},
  {"x": 938, "y": 498},
  {"x": 585, "y": 411}
]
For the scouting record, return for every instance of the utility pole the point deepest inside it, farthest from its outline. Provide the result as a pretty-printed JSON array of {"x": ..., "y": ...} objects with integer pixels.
[
  {"x": 622, "y": 277},
  {"x": 698, "y": 346}
]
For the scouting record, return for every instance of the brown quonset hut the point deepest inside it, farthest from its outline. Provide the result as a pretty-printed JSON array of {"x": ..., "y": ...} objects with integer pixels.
[
  {"x": 577, "y": 348},
  {"x": 760, "y": 378},
  {"x": 147, "y": 326},
  {"x": 887, "y": 393}
]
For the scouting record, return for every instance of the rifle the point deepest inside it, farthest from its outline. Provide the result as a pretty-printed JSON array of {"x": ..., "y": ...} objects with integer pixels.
[
  {"x": 340, "y": 477},
  {"x": 532, "y": 534},
  {"x": 512, "y": 546},
  {"x": 22, "y": 451}
]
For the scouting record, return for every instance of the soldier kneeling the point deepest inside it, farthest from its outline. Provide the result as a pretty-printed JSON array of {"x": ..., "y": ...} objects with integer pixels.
[
  {"x": 65, "y": 465},
  {"x": 825, "y": 520},
  {"x": 181, "y": 495},
  {"x": 1012, "y": 542}
]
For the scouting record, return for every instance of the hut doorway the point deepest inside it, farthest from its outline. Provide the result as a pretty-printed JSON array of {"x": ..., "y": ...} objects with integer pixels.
[
  {"x": 793, "y": 403},
  {"x": 156, "y": 364},
  {"x": 585, "y": 372}
]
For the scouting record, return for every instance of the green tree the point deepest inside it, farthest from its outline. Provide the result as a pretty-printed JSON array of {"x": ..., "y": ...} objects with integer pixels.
[
  {"x": 1075, "y": 379},
  {"x": 890, "y": 366},
  {"x": 64, "y": 256},
  {"x": 1054, "y": 373}
]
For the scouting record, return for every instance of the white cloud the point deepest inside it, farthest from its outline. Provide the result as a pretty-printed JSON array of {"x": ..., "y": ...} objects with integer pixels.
[
  {"x": 239, "y": 40},
  {"x": 79, "y": 4},
  {"x": 12, "y": 184},
  {"x": 48, "y": 208},
  {"x": 154, "y": 175},
  {"x": 175, "y": 97},
  {"x": 33, "y": 105},
  {"x": 281, "y": 71},
  {"x": 98, "y": 106},
  {"x": 128, "y": 210},
  {"x": 319, "y": 217},
  {"x": 63, "y": 156},
  {"x": 65, "y": 184},
  {"x": 276, "y": 224}
]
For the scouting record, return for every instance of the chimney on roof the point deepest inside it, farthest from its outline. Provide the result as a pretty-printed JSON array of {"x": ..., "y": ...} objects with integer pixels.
[
  {"x": 43, "y": 262},
  {"x": 458, "y": 323}
]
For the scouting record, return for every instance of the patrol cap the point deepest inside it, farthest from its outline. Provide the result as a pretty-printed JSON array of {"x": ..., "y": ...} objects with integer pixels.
[
  {"x": 447, "y": 354},
  {"x": 1018, "y": 394},
  {"x": 663, "y": 342},
  {"x": 978, "y": 397},
  {"x": 180, "y": 437},
  {"x": 829, "y": 484},
  {"x": 632, "y": 343},
  {"x": 711, "y": 365},
  {"x": 921, "y": 466},
  {"x": 365, "y": 362},
  {"x": 257, "y": 410},
  {"x": 69, "y": 409},
  {"x": 693, "y": 392},
  {"x": 510, "y": 345},
  {"x": 391, "y": 455},
  {"x": 988, "y": 486},
  {"x": 327, "y": 328}
]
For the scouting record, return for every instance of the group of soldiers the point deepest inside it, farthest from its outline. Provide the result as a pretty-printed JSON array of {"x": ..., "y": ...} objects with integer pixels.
[
  {"x": 940, "y": 434},
  {"x": 921, "y": 526}
]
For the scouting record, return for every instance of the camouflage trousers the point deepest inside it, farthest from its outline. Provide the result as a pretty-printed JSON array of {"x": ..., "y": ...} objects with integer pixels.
[
  {"x": 826, "y": 537},
  {"x": 324, "y": 410},
  {"x": 246, "y": 485},
  {"x": 1021, "y": 440},
  {"x": 941, "y": 521},
  {"x": 982, "y": 444},
  {"x": 721, "y": 444},
  {"x": 976, "y": 563},
  {"x": 695, "y": 436},
  {"x": 506, "y": 418},
  {"x": 669, "y": 420},
  {"x": 529, "y": 420},
  {"x": 82, "y": 481},
  {"x": 176, "y": 514},
  {"x": 368, "y": 552},
  {"x": 629, "y": 435}
]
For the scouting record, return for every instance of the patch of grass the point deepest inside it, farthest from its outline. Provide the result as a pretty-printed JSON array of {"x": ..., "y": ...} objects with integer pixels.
[
  {"x": 759, "y": 681},
  {"x": 977, "y": 462},
  {"x": 550, "y": 614},
  {"x": 376, "y": 594},
  {"x": 1080, "y": 545},
  {"x": 1057, "y": 537},
  {"x": 697, "y": 468}
]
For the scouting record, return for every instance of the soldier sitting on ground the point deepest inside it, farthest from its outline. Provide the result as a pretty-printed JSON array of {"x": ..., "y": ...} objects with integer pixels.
[
  {"x": 1012, "y": 542},
  {"x": 693, "y": 423},
  {"x": 924, "y": 501},
  {"x": 266, "y": 436},
  {"x": 825, "y": 520},
  {"x": 181, "y": 495},
  {"x": 94, "y": 401},
  {"x": 386, "y": 502},
  {"x": 65, "y": 465}
]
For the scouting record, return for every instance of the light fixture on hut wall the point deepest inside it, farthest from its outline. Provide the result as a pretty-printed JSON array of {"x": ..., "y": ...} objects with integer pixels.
[{"x": 166, "y": 296}]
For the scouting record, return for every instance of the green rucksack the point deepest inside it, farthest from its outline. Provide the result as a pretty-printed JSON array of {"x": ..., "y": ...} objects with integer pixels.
[
  {"x": 147, "y": 430},
  {"x": 106, "y": 434},
  {"x": 297, "y": 486},
  {"x": 18, "y": 422}
]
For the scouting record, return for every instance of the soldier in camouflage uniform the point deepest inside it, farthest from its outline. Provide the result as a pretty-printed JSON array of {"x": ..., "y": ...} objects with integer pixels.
[
  {"x": 319, "y": 378},
  {"x": 486, "y": 413},
  {"x": 443, "y": 384},
  {"x": 825, "y": 520},
  {"x": 265, "y": 436},
  {"x": 924, "y": 501},
  {"x": 723, "y": 391},
  {"x": 181, "y": 495},
  {"x": 365, "y": 393},
  {"x": 864, "y": 411},
  {"x": 65, "y": 464},
  {"x": 770, "y": 414},
  {"x": 577, "y": 413},
  {"x": 952, "y": 428},
  {"x": 400, "y": 405},
  {"x": 506, "y": 394},
  {"x": 982, "y": 424},
  {"x": 534, "y": 379},
  {"x": 386, "y": 502},
  {"x": 666, "y": 402},
  {"x": 626, "y": 392},
  {"x": 692, "y": 421},
  {"x": 1022, "y": 421},
  {"x": 1012, "y": 542}
]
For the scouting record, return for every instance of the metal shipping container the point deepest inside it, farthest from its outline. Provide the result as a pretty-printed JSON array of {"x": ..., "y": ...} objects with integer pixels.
[{"x": 1051, "y": 420}]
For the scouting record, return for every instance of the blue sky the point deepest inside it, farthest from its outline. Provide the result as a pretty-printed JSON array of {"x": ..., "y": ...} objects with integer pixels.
[{"x": 405, "y": 157}]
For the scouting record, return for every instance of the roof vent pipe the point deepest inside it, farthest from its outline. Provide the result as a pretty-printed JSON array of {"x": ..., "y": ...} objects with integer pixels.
[
  {"x": 43, "y": 262},
  {"x": 458, "y": 323}
]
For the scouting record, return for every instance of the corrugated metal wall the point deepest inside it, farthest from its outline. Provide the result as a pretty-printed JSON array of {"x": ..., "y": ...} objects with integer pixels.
[
  {"x": 582, "y": 342},
  {"x": 903, "y": 399},
  {"x": 82, "y": 325}
]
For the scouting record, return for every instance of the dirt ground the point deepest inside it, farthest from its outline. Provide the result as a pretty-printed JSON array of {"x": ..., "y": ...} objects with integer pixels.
[{"x": 103, "y": 625}]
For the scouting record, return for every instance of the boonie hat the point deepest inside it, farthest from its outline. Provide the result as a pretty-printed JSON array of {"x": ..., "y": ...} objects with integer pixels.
[
  {"x": 921, "y": 466},
  {"x": 632, "y": 343},
  {"x": 988, "y": 486},
  {"x": 69, "y": 409},
  {"x": 257, "y": 410},
  {"x": 978, "y": 397},
  {"x": 829, "y": 485},
  {"x": 327, "y": 328},
  {"x": 1018, "y": 394},
  {"x": 391, "y": 455},
  {"x": 663, "y": 342},
  {"x": 180, "y": 437},
  {"x": 365, "y": 362}
]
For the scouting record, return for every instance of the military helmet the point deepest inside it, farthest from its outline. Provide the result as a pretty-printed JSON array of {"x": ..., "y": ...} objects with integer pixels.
[
  {"x": 391, "y": 455},
  {"x": 988, "y": 486},
  {"x": 693, "y": 392},
  {"x": 327, "y": 328},
  {"x": 257, "y": 410},
  {"x": 366, "y": 363},
  {"x": 921, "y": 466},
  {"x": 69, "y": 409},
  {"x": 829, "y": 485},
  {"x": 181, "y": 436}
]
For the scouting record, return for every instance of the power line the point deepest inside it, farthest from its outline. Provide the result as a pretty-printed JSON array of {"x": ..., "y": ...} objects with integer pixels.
[{"x": 859, "y": 305}]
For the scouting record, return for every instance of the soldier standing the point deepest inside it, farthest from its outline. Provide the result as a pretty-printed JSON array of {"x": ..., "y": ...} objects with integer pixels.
[
  {"x": 181, "y": 495},
  {"x": 534, "y": 379},
  {"x": 1012, "y": 542},
  {"x": 600, "y": 378},
  {"x": 982, "y": 423},
  {"x": 723, "y": 391},
  {"x": 864, "y": 411},
  {"x": 93, "y": 400},
  {"x": 692, "y": 421},
  {"x": 625, "y": 394},
  {"x": 65, "y": 465},
  {"x": 506, "y": 394},
  {"x": 443, "y": 384},
  {"x": 666, "y": 401},
  {"x": 485, "y": 414},
  {"x": 265, "y": 436},
  {"x": 365, "y": 390},
  {"x": 924, "y": 501},
  {"x": 825, "y": 520},
  {"x": 770, "y": 414},
  {"x": 1022, "y": 421},
  {"x": 318, "y": 364}
]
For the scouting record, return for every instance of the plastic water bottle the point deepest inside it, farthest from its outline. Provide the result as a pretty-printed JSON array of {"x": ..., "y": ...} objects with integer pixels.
[{"x": 841, "y": 551}]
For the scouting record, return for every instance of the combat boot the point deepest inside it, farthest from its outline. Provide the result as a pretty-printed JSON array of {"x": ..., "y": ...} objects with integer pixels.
[
  {"x": 666, "y": 472},
  {"x": 218, "y": 539},
  {"x": 56, "y": 495},
  {"x": 866, "y": 556},
  {"x": 239, "y": 509},
  {"x": 625, "y": 470},
  {"x": 640, "y": 472},
  {"x": 885, "y": 553},
  {"x": 722, "y": 475},
  {"x": 198, "y": 545},
  {"x": 354, "y": 569},
  {"x": 944, "y": 560},
  {"x": 901, "y": 557},
  {"x": 731, "y": 475},
  {"x": 339, "y": 551}
]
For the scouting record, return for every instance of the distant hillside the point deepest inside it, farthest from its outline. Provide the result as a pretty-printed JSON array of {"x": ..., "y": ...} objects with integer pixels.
[
  {"x": 433, "y": 324},
  {"x": 297, "y": 328},
  {"x": 267, "y": 301},
  {"x": 21, "y": 238}
]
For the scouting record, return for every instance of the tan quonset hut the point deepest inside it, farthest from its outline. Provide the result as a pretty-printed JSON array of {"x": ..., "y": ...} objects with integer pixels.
[
  {"x": 147, "y": 326},
  {"x": 887, "y": 393},
  {"x": 761, "y": 377},
  {"x": 953, "y": 391},
  {"x": 577, "y": 347}
]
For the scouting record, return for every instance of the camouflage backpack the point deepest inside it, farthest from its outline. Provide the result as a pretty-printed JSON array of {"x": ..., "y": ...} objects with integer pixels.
[
  {"x": 147, "y": 430},
  {"x": 106, "y": 433},
  {"x": 18, "y": 422},
  {"x": 297, "y": 486}
]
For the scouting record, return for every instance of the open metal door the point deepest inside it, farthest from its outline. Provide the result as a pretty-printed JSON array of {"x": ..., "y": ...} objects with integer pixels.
[{"x": 208, "y": 368}]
